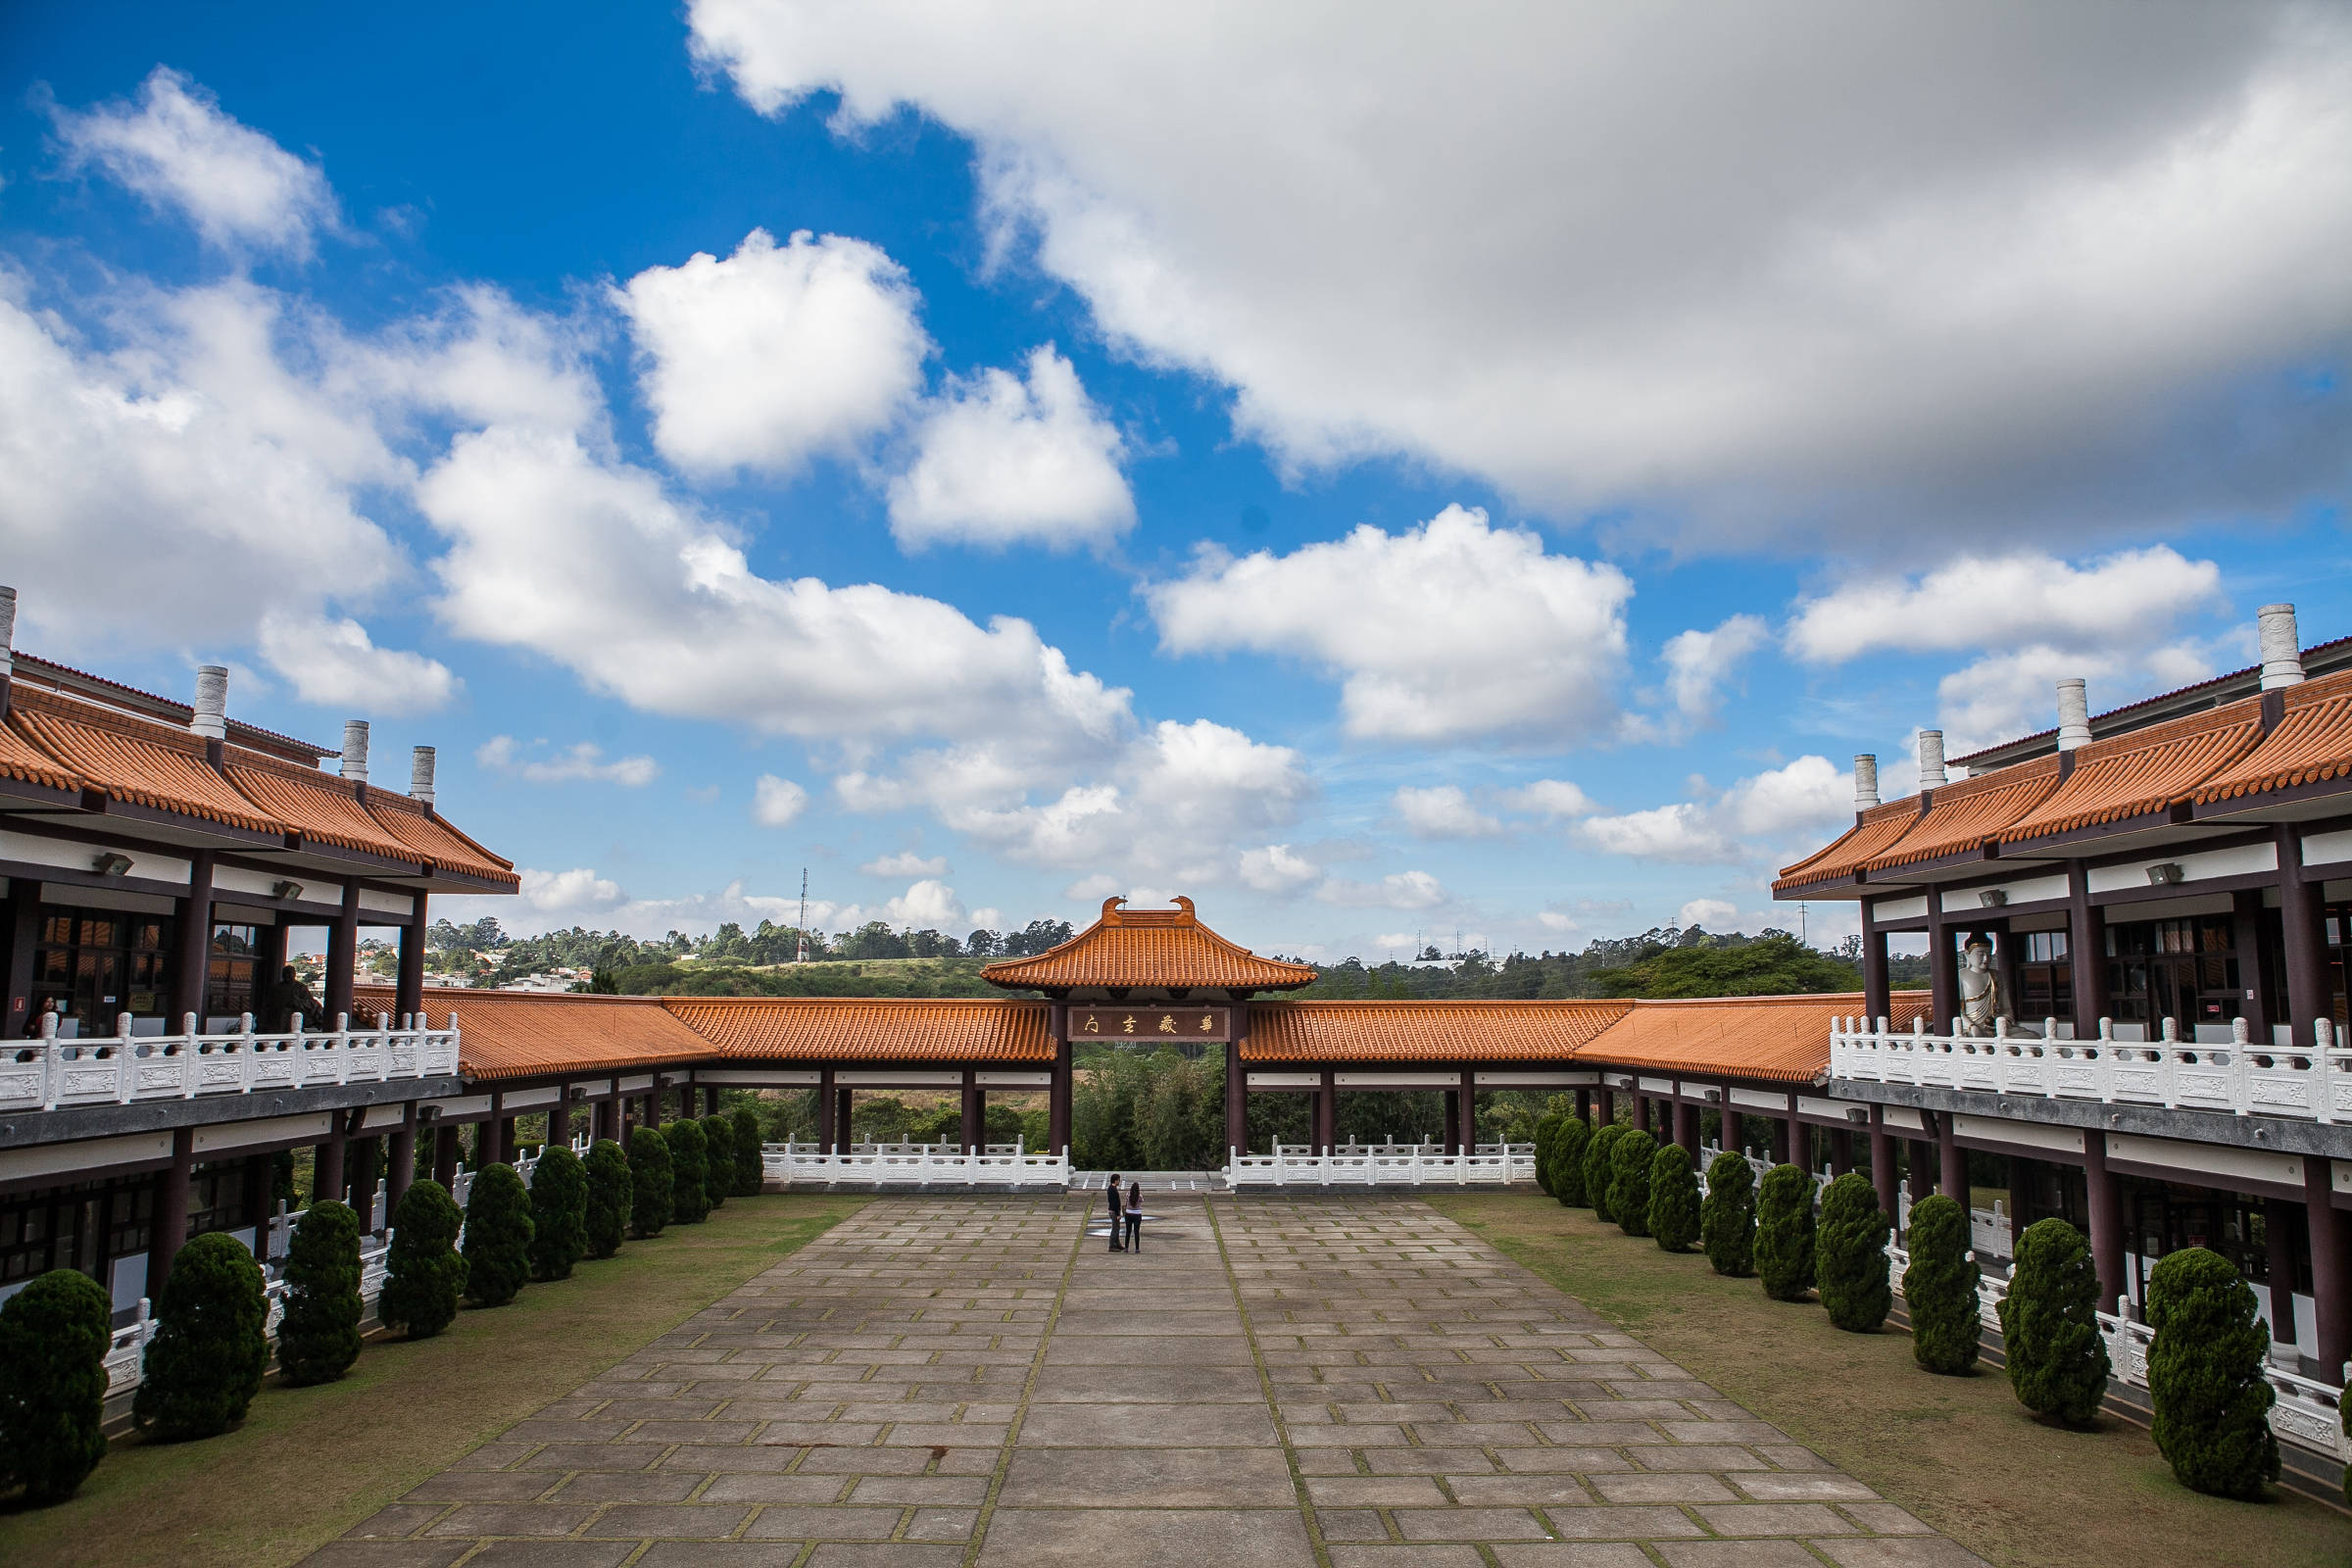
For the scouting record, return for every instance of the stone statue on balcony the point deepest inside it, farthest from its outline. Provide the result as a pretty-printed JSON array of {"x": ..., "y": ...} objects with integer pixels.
[{"x": 1984, "y": 1000}]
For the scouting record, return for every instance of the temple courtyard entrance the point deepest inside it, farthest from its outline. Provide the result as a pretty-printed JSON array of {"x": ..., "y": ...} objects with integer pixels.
[{"x": 1270, "y": 1380}]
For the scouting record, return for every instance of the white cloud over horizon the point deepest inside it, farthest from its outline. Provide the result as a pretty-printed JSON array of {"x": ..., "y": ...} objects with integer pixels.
[
  {"x": 999, "y": 462},
  {"x": 582, "y": 761}
]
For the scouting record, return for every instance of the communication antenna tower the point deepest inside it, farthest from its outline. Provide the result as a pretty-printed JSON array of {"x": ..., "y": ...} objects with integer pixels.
[{"x": 801, "y": 927}]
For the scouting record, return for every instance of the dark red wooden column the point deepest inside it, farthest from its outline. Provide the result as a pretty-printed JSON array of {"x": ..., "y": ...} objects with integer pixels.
[
  {"x": 1063, "y": 1090},
  {"x": 400, "y": 1169},
  {"x": 19, "y": 931},
  {"x": 1943, "y": 967},
  {"x": 1841, "y": 1151},
  {"x": 191, "y": 961},
  {"x": 1952, "y": 1182},
  {"x": 2309, "y": 996},
  {"x": 1881, "y": 1164},
  {"x": 2330, "y": 1266},
  {"x": 491, "y": 1145},
  {"x": 1877, "y": 994},
  {"x": 1237, "y": 1101},
  {"x": 1327, "y": 1112},
  {"x": 1469, "y": 1111},
  {"x": 824, "y": 1110},
  {"x": 975, "y": 1113},
  {"x": 407, "y": 993},
  {"x": 2086, "y": 955},
  {"x": 343, "y": 954},
  {"x": 326, "y": 1168},
  {"x": 1686, "y": 1124},
  {"x": 1797, "y": 1146},
  {"x": 444, "y": 1153},
  {"x": 2278, "y": 1232},
  {"x": 843, "y": 1132},
  {"x": 1641, "y": 1110},
  {"x": 168, "y": 1231}
]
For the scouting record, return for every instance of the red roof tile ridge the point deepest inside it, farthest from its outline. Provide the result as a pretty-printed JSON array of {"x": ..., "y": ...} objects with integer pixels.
[
  {"x": 1971, "y": 813},
  {"x": 2310, "y": 745},
  {"x": 1018, "y": 971},
  {"x": 106, "y": 756}
]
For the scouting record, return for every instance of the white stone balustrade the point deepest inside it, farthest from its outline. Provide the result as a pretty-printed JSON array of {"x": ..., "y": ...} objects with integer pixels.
[
  {"x": 2241, "y": 1077},
  {"x": 52, "y": 1073},
  {"x": 1380, "y": 1165},
  {"x": 917, "y": 1166}
]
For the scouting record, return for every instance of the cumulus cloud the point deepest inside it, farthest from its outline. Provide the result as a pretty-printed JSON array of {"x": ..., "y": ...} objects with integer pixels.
[
  {"x": 775, "y": 353},
  {"x": 581, "y": 760},
  {"x": 1443, "y": 811},
  {"x": 928, "y": 904},
  {"x": 1552, "y": 797},
  {"x": 1827, "y": 199},
  {"x": 1753, "y": 821},
  {"x": 576, "y": 894},
  {"x": 906, "y": 863},
  {"x": 1698, "y": 662},
  {"x": 1453, "y": 630},
  {"x": 999, "y": 463},
  {"x": 335, "y": 663},
  {"x": 777, "y": 802},
  {"x": 1276, "y": 868},
  {"x": 1714, "y": 914},
  {"x": 1406, "y": 889},
  {"x": 178, "y": 152}
]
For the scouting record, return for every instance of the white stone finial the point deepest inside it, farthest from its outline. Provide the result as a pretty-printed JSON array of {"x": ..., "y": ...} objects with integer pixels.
[
  {"x": 2073, "y": 713},
  {"x": 8, "y": 629},
  {"x": 1931, "y": 759},
  {"x": 2282, "y": 647},
  {"x": 212, "y": 702},
  {"x": 421, "y": 774},
  {"x": 355, "y": 750},
  {"x": 1866, "y": 782}
]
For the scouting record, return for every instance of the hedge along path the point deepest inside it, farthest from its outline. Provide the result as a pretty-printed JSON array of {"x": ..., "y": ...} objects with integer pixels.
[
  {"x": 310, "y": 1463},
  {"x": 1958, "y": 1452}
]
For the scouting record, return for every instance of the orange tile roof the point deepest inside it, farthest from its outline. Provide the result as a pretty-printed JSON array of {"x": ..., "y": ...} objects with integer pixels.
[
  {"x": 945, "y": 1029},
  {"x": 1151, "y": 949},
  {"x": 131, "y": 759},
  {"x": 320, "y": 806},
  {"x": 430, "y": 838},
  {"x": 1424, "y": 1031},
  {"x": 2312, "y": 745},
  {"x": 2143, "y": 771},
  {"x": 510, "y": 1034},
  {"x": 1972, "y": 814},
  {"x": 1879, "y": 829},
  {"x": 1780, "y": 1039},
  {"x": 28, "y": 763}
]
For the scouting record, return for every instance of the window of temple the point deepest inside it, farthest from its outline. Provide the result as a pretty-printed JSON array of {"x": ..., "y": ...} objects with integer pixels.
[
  {"x": 2184, "y": 969},
  {"x": 231, "y": 985},
  {"x": 101, "y": 962},
  {"x": 2045, "y": 984}
]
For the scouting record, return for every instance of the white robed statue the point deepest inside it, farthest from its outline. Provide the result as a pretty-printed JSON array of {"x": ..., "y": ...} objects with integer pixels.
[{"x": 1984, "y": 1000}]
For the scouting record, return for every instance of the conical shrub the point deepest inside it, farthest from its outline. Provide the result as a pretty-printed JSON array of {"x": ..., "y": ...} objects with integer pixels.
[
  {"x": 607, "y": 1219},
  {"x": 1672, "y": 1198},
  {"x": 2213, "y": 1405},
  {"x": 1569, "y": 1141},
  {"x": 498, "y": 1236},
  {"x": 319, "y": 1338},
  {"x": 558, "y": 1213},
  {"x": 205, "y": 1362},
  {"x": 651, "y": 1181},
  {"x": 1629, "y": 1180},
  {"x": 1939, "y": 1289},
  {"x": 689, "y": 1174},
  {"x": 1784, "y": 1233},
  {"x": 1545, "y": 1125},
  {"x": 1849, "y": 1256},
  {"x": 54, "y": 1336},
  {"x": 719, "y": 1159},
  {"x": 751, "y": 1169},
  {"x": 1599, "y": 1174},
  {"x": 425, "y": 1277},
  {"x": 1727, "y": 1220},
  {"x": 2050, "y": 1328}
]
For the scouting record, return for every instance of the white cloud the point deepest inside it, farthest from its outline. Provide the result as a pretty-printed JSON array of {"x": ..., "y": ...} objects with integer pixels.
[
  {"x": 1443, "y": 811},
  {"x": 1406, "y": 889},
  {"x": 335, "y": 663},
  {"x": 583, "y": 760},
  {"x": 579, "y": 894},
  {"x": 1698, "y": 662},
  {"x": 906, "y": 863},
  {"x": 762, "y": 360},
  {"x": 777, "y": 802},
  {"x": 1558, "y": 921},
  {"x": 1667, "y": 254},
  {"x": 1682, "y": 833},
  {"x": 997, "y": 463},
  {"x": 177, "y": 150},
  {"x": 1552, "y": 797},
  {"x": 1276, "y": 868},
  {"x": 1453, "y": 630},
  {"x": 1756, "y": 819},
  {"x": 2129, "y": 598},
  {"x": 1714, "y": 914},
  {"x": 1810, "y": 795},
  {"x": 929, "y": 904}
]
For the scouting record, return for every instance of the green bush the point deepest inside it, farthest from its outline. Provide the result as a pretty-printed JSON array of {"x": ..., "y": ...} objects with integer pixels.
[
  {"x": 205, "y": 1362},
  {"x": 607, "y": 1170},
  {"x": 1629, "y": 1180},
  {"x": 54, "y": 1336},
  {"x": 498, "y": 1236},
  {"x": 1568, "y": 1144},
  {"x": 1600, "y": 1173},
  {"x": 1939, "y": 1289},
  {"x": 1545, "y": 1126},
  {"x": 719, "y": 1160},
  {"x": 650, "y": 1181},
  {"x": 425, "y": 1276},
  {"x": 1727, "y": 1221},
  {"x": 689, "y": 1174},
  {"x": 751, "y": 1170},
  {"x": 319, "y": 1338},
  {"x": 1849, "y": 1256},
  {"x": 558, "y": 1213},
  {"x": 1784, "y": 1233},
  {"x": 2049, "y": 1325},
  {"x": 1672, "y": 1198},
  {"x": 2205, "y": 1375}
]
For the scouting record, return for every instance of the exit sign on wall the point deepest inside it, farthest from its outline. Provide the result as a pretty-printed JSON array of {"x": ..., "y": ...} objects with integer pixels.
[{"x": 1088, "y": 1022}]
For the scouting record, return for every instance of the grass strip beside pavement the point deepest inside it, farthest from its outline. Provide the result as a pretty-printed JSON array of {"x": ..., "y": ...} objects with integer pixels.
[
  {"x": 1959, "y": 1452},
  {"x": 310, "y": 1463}
]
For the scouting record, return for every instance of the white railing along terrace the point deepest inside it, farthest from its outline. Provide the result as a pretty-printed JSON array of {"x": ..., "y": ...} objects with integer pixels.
[
  {"x": 1380, "y": 1165},
  {"x": 2240, "y": 1076},
  {"x": 917, "y": 1165},
  {"x": 53, "y": 1072}
]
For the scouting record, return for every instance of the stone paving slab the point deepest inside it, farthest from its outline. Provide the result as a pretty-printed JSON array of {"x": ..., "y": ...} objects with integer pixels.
[{"x": 1345, "y": 1382}]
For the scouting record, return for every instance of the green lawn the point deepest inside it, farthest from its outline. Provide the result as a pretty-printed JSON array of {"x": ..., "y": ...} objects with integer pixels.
[
  {"x": 1959, "y": 1452},
  {"x": 310, "y": 1463}
]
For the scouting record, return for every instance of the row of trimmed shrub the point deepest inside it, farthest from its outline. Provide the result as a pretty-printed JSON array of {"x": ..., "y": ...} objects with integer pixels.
[
  {"x": 2205, "y": 1363},
  {"x": 209, "y": 1351}
]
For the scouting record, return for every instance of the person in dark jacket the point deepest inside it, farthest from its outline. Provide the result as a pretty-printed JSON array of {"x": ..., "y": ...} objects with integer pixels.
[
  {"x": 1135, "y": 1216},
  {"x": 287, "y": 999},
  {"x": 1111, "y": 1187}
]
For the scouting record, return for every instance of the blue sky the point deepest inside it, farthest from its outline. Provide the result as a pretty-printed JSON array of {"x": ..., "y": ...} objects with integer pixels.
[{"x": 1381, "y": 475}]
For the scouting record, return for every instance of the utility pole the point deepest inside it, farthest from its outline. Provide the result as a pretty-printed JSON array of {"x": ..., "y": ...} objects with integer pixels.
[{"x": 802, "y": 928}]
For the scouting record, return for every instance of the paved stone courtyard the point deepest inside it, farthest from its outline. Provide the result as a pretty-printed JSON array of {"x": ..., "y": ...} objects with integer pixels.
[{"x": 1350, "y": 1381}]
